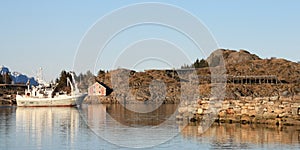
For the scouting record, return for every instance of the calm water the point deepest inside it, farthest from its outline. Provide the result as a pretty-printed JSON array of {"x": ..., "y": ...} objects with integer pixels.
[{"x": 113, "y": 127}]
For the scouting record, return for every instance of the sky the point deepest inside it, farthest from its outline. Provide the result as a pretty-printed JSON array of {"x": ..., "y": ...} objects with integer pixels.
[{"x": 48, "y": 34}]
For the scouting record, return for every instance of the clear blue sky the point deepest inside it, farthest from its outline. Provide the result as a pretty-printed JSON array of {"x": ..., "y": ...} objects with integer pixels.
[{"x": 46, "y": 34}]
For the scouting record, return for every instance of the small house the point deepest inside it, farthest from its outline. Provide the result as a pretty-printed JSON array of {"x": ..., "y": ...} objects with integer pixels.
[{"x": 99, "y": 89}]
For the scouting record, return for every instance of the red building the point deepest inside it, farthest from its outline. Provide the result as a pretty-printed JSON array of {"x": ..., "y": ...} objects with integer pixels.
[{"x": 99, "y": 89}]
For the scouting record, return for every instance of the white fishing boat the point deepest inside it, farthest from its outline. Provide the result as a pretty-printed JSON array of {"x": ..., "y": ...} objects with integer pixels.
[{"x": 45, "y": 96}]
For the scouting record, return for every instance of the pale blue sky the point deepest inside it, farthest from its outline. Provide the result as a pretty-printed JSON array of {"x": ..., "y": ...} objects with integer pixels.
[{"x": 46, "y": 34}]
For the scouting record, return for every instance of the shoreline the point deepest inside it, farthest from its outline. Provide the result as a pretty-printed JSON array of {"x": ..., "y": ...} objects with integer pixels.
[{"x": 246, "y": 110}]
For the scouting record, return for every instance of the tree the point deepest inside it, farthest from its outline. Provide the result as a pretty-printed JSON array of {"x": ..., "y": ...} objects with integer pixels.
[
  {"x": 6, "y": 78},
  {"x": 62, "y": 83},
  {"x": 56, "y": 80},
  {"x": 197, "y": 63},
  {"x": 1, "y": 79},
  {"x": 101, "y": 76},
  {"x": 203, "y": 63},
  {"x": 85, "y": 80},
  {"x": 185, "y": 66},
  {"x": 101, "y": 72}
]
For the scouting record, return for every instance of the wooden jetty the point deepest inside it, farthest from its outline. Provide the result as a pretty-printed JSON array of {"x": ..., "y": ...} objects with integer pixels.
[
  {"x": 263, "y": 79},
  {"x": 8, "y": 93},
  {"x": 268, "y": 79}
]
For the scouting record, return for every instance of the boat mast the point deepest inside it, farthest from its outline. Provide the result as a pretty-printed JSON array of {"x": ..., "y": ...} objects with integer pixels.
[
  {"x": 28, "y": 84},
  {"x": 76, "y": 90},
  {"x": 72, "y": 88}
]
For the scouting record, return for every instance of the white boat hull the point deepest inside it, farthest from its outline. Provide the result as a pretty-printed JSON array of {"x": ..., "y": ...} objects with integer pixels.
[{"x": 47, "y": 102}]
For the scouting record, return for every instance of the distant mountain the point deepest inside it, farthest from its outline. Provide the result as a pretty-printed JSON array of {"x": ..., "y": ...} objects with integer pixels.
[
  {"x": 23, "y": 79},
  {"x": 16, "y": 78},
  {"x": 3, "y": 70}
]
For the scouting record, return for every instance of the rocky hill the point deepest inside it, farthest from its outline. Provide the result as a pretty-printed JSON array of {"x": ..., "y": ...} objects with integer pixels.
[
  {"x": 237, "y": 63},
  {"x": 244, "y": 63}
]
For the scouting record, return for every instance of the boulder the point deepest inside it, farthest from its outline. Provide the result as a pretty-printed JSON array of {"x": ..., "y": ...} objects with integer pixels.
[
  {"x": 245, "y": 119},
  {"x": 191, "y": 109},
  {"x": 182, "y": 110},
  {"x": 200, "y": 111},
  {"x": 274, "y": 98},
  {"x": 244, "y": 111},
  {"x": 268, "y": 115}
]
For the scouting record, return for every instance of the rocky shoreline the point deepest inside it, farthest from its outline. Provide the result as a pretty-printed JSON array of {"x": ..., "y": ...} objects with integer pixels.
[
  {"x": 8, "y": 93},
  {"x": 247, "y": 110}
]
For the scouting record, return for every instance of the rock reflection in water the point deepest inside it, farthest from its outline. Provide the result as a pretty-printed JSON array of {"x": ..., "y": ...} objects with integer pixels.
[
  {"x": 125, "y": 128},
  {"x": 240, "y": 136},
  {"x": 131, "y": 118},
  {"x": 6, "y": 117}
]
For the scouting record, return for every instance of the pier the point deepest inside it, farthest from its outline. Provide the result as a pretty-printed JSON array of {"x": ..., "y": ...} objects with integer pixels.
[
  {"x": 269, "y": 79},
  {"x": 263, "y": 79},
  {"x": 8, "y": 93}
]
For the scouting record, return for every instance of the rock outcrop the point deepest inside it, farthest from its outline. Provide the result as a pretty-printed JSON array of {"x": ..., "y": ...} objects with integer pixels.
[
  {"x": 135, "y": 86},
  {"x": 246, "y": 110}
]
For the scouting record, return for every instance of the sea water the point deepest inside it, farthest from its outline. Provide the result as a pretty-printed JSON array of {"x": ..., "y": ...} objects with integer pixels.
[{"x": 115, "y": 127}]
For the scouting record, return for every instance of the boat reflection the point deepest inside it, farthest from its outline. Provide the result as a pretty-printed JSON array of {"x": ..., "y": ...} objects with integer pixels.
[{"x": 42, "y": 124}]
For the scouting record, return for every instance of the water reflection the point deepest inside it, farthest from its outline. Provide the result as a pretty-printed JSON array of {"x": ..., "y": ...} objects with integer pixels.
[
  {"x": 98, "y": 114},
  {"x": 94, "y": 115},
  {"x": 134, "y": 119},
  {"x": 6, "y": 119},
  {"x": 86, "y": 128},
  {"x": 39, "y": 125},
  {"x": 239, "y": 136},
  {"x": 123, "y": 127}
]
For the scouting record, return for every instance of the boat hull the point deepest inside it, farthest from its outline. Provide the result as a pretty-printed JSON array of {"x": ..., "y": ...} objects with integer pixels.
[{"x": 49, "y": 102}]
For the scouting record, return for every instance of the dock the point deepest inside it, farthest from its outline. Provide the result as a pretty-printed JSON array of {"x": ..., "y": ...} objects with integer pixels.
[{"x": 8, "y": 93}]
